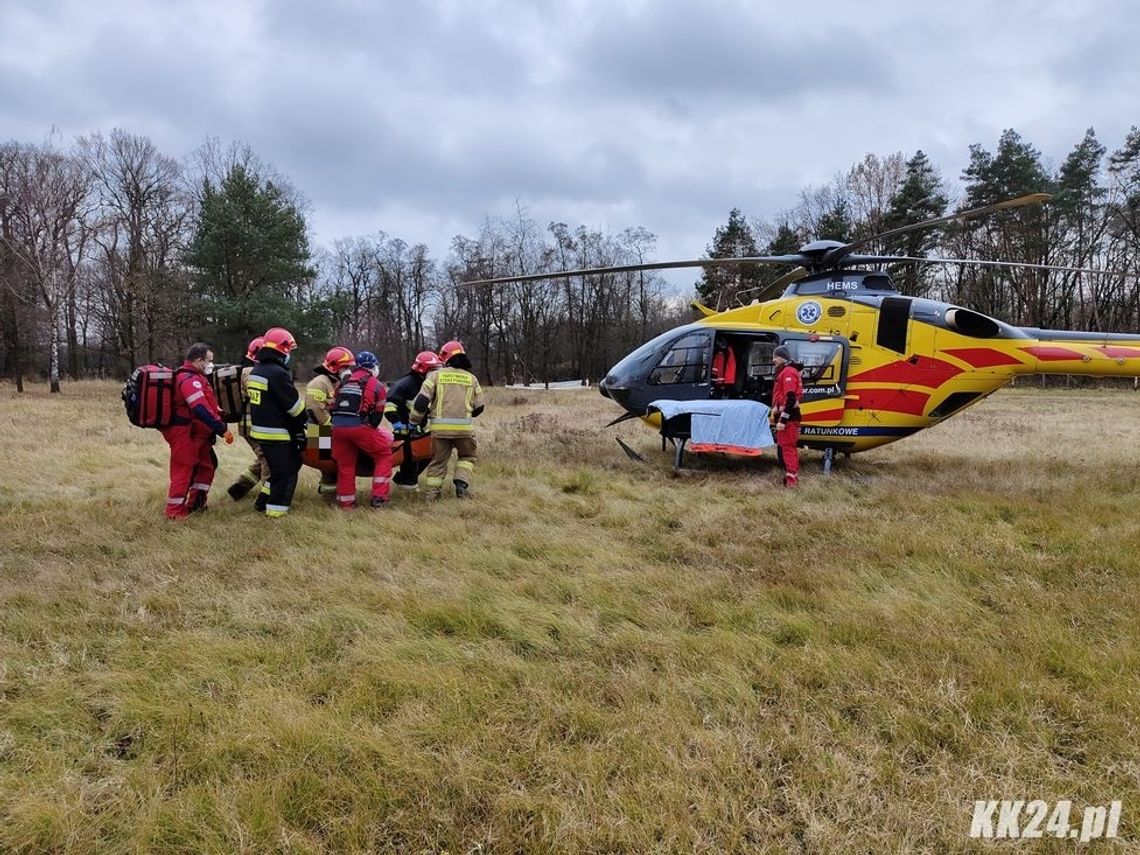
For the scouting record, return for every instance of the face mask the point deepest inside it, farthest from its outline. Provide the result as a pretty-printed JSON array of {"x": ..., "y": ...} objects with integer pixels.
[
  {"x": 208, "y": 368},
  {"x": 374, "y": 370},
  {"x": 288, "y": 358}
]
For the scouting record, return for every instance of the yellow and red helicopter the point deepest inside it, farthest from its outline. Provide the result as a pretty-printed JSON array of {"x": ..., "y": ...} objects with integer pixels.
[{"x": 877, "y": 365}]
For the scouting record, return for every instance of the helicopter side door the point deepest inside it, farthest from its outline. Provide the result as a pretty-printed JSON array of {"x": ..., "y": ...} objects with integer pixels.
[{"x": 825, "y": 360}]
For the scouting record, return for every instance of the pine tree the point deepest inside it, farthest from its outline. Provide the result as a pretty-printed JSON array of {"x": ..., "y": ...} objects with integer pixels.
[
  {"x": 836, "y": 224},
  {"x": 250, "y": 258},
  {"x": 1020, "y": 234},
  {"x": 919, "y": 198},
  {"x": 720, "y": 285}
]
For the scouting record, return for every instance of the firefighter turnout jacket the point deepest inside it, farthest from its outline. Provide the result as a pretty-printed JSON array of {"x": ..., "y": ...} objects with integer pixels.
[
  {"x": 453, "y": 398},
  {"x": 319, "y": 396},
  {"x": 275, "y": 407}
]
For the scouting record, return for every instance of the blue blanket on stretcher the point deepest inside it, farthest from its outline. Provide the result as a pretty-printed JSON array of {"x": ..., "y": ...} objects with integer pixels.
[{"x": 727, "y": 425}]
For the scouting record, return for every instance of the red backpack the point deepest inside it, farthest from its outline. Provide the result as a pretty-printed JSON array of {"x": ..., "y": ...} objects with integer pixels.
[{"x": 148, "y": 396}]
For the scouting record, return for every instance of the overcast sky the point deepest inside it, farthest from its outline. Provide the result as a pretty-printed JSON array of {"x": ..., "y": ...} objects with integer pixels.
[{"x": 422, "y": 118}]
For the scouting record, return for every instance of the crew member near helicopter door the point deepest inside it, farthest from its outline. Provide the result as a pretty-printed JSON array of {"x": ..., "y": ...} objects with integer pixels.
[
  {"x": 191, "y": 434},
  {"x": 400, "y": 397},
  {"x": 723, "y": 366},
  {"x": 454, "y": 398},
  {"x": 787, "y": 392},
  {"x": 319, "y": 397},
  {"x": 258, "y": 471},
  {"x": 277, "y": 418},
  {"x": 356, "y": 416}
]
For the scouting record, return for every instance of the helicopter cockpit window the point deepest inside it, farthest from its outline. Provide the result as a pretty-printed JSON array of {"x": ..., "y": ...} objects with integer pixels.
[
  {"x": 687, "y": 361},
  {"x": 817, "y": 358}
]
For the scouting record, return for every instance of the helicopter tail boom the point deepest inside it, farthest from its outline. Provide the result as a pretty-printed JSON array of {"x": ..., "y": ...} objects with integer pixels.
[{"x": 1082, "y": 353}]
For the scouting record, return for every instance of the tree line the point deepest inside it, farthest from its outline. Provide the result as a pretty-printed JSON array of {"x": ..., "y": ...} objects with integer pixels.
[
  {"x": 1093, "y": 221},
  {"x": 114, "y": 254}
]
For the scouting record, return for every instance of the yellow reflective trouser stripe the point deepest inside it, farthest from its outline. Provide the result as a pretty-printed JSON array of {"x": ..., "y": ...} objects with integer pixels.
[
  {"x": 268, "y": 433},
  {"x": 466, "y": 464},
  {"x": 433, "y": 481}
]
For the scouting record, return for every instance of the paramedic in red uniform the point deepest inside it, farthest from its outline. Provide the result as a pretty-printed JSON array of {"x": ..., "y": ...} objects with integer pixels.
[
  {"x": 787, "y": 392},
  {"x": 196, "y": 422},
  {"x": 356, "y": 430}
]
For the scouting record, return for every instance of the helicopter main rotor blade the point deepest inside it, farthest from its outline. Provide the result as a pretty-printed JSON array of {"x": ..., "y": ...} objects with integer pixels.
[
  {"x": 907, "y": 259},
  {"x": 832, "y": 257},
  {"x": 633, "y": 268},
  {"x": 776, "y": 286}
]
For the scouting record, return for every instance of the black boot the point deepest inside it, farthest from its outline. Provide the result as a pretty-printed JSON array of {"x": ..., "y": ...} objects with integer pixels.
[
  {"x": 462, "y": 491},
  {"x": 239, "y": 489},
  {"x": 259, "y": 502}
]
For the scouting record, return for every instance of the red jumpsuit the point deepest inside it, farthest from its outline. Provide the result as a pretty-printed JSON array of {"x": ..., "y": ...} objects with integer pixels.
[
  {"x": 355, "y": 419},
  {"x": 786, "y": 395},
  {"x": 197, "y": 420}
]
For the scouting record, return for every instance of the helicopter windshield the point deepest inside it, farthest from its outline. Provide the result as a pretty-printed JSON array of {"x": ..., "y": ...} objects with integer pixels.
[{"x": 687, "y": 361}]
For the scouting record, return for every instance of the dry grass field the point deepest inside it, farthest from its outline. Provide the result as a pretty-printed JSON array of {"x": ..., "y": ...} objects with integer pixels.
[{"x": 594, "y": 656}]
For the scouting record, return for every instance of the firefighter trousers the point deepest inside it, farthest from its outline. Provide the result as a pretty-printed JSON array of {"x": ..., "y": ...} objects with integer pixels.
[
  {"x": 441, "y": 448},
  {"x": 348, "y": 443},
  {"x": 258, "y": 470},
  {"x": 284, "y": 460},
  {"x": 787, "y": 453},
  {"x": 192, "y": 467}
]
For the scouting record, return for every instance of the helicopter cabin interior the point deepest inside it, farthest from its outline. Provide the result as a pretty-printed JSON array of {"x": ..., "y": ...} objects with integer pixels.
[{"x": 739, "y": 365}]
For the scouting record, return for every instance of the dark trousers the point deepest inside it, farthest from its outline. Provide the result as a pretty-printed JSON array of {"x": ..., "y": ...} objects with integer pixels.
[{"x": 284, "y": 463}]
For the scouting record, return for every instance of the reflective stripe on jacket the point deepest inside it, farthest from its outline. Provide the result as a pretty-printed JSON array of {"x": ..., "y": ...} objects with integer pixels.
[
  {"x": 319, "y": 397},
  {"x": 275, "y": 406},
  {"x": 451, "y": 395}
]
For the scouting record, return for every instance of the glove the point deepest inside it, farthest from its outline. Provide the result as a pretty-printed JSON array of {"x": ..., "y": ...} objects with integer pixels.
[
  {"x": 779, "y": 426},
  {"x": 228, "y": 436},
  {"x": 399, "y": 427}
]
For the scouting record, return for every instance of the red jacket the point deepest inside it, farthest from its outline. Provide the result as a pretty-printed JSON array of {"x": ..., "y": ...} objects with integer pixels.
[
  {"x": 787, "y": 392},
  {"x": 195, "y": 404}
]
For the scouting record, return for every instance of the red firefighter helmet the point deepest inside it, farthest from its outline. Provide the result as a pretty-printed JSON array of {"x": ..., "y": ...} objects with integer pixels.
[
  {"x": 279, "y": 339},
  {"x": 255, "y": 344},
  {"x": 337, "y": 359},
  {"x": 450, "y": 349},
  {"x": 426, "y": 360}
]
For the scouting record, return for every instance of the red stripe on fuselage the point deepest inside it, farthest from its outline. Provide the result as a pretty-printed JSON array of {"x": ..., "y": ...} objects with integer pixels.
[
  {"x": 1114, "y": 352},
  {"x": 983, "y": 357},
  {"x": 918, "y": 370},
  {"x": 1050, "y": 353},
  {"x": 890, "y": 400},
  {"x": 823, "y": 416}
]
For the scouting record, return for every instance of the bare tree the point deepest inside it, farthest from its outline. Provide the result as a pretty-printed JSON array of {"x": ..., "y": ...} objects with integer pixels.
[{"x": 48, "y": 213}]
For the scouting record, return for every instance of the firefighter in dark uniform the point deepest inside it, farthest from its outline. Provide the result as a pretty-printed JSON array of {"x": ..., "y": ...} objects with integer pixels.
[
  {"x": 401, "y": 394},
  {"x": 277, "y": 418},
  {"x": 787, "y": 392},
  {"x": 258, "y": 471}
]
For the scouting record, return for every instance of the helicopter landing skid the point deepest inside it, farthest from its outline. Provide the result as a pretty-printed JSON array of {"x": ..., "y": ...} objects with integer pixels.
[{"x": 828, "y": 459}]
